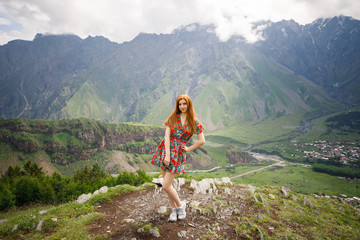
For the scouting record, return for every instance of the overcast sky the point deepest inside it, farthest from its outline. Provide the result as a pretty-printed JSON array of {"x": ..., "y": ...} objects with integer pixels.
[{"x": 122, "y": 20}]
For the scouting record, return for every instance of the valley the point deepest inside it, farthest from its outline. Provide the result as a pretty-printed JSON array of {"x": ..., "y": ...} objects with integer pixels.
[{"x": 68, "y": 103}]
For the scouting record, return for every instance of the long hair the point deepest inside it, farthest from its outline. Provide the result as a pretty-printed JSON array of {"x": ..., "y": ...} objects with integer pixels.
[{"x": 190, "y": 114}]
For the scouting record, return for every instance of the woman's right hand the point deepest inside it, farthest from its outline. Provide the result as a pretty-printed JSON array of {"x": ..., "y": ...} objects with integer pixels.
[{"x": 167, "y": 160}]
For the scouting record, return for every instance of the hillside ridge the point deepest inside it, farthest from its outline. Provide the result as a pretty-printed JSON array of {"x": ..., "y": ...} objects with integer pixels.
[{"x": 214, "y": 211}]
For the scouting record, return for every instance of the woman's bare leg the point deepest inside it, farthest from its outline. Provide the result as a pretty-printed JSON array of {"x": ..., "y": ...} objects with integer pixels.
[{"x": 171, "y": 192}]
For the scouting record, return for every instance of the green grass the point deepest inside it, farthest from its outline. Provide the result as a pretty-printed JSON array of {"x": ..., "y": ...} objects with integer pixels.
[
  {"x": 72, "y": 218},
  {"x": 303, "y": 180},
  {"x": 228, "y": 171},
  {"x": 251, "y": 133},
  {"x": 324, "y": 219},
  {"x": 320, "y": 131}
]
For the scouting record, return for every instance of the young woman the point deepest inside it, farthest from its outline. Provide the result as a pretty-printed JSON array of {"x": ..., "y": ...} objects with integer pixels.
[{"x": 170, "y": 155}]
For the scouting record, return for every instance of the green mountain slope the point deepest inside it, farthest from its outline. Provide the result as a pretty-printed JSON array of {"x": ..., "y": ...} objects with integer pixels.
[
  {"x": 238, "y": 89},
  {"x": 68, "y": 145},
  {"x": 230, "y": 83}
]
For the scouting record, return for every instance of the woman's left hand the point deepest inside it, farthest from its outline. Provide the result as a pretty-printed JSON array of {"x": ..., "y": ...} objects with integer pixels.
[{"x": 184, "y": 147}]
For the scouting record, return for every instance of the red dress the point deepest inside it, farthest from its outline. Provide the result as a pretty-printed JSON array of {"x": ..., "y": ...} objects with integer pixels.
[{"x": 178, "y": 134}]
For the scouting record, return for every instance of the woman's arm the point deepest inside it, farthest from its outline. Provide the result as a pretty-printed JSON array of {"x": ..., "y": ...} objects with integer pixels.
[
  {"x": 167, "y": 146},
  {"x": 199, "y": 142}
]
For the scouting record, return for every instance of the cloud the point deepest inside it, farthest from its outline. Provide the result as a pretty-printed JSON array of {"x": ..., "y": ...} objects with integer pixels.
[
  {"x": 122, "y": 20},
  {"x": 4, "y": 21}
]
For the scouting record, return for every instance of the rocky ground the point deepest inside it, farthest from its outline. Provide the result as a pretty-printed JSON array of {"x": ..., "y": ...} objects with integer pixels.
[
  {"x": 141, "y": 214},
  {"x": 214, "y": 211}
]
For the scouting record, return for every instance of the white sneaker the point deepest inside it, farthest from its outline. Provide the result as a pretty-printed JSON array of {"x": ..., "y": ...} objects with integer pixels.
[
  {"x": 181, "y": 211},
  {"x": 173, "y": 215}
]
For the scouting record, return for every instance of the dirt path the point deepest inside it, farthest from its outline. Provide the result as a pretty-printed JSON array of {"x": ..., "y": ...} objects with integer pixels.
[
  {"x": 279, "y": 163},
  {"x": 208, "y": 215}
]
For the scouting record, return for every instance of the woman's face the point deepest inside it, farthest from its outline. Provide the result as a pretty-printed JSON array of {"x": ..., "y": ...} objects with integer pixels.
[{"x": 182, "y": 105}]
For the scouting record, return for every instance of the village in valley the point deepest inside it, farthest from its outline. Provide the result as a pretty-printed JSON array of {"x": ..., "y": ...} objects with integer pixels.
[{"x": 347, "y": 153}]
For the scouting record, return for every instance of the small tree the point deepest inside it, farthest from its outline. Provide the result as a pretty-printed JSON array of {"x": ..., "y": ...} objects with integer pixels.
[
  {"x": 96, "y": 173},
  {"x": 32, "y": 169}
]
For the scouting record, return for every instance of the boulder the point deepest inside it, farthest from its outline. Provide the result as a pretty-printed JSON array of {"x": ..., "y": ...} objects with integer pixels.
[
  {"x": 158, "y": 181},
  {"x": 177, "y": 183},
  {"x": 104, "y": 189},
  {"x": 203, "y": 186},
  {"x": 226, "y": 180},
  {"x": 83, "y": 198}
]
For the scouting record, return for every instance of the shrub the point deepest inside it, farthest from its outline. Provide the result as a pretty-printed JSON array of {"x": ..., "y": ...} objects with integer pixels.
[
  {"x": 7, "y": 199},
  {"x": 26, "y": 190}
]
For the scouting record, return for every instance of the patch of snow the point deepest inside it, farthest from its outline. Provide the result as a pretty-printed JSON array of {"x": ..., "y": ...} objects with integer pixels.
[{"x": 312, "y": 39}]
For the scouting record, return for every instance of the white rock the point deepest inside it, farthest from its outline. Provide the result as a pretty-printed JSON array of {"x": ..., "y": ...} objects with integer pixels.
[
  {"x": 206, "y": 184},
  {"x": 104, "y": 189},
  {"x": 182, "y": 234},
  {"x": 43, "y": 212},
  {"x": 129, "y": 220},
  {"x": 194, "y": 204},
  {"x": 218, "y": 182},
  {"x": 39, "y": 226},
  {"x": 226, "y": 180},
  {"x": 15, "y": 227},
  {"x": 227, "y": 191},
  {"x": 251, "y": 189},
  {"x": 262, "y": 199},
  {"x": 181, "y": 181},
  {"x": 177, "y": 183},
  {"x": 194, "y": 185},
  {"x": 96, "y": 192},
  {"x": 158, "y": 180},
  {"x": 162, "y": 209},
  {"x": 154, "y": 233},
  {"x": 83, "y": 198},
  {"x": 285, "y": 191},
  {"x": 271, "y": 196},
  {"x": 54, "y": 219}
]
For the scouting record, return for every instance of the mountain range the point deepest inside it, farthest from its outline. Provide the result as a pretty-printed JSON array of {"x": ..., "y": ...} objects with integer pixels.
[{"x": 295, "y": 72}]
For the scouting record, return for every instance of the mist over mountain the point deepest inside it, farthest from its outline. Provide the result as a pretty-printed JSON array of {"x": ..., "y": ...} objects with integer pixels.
[{"x": 302, "y": 71}]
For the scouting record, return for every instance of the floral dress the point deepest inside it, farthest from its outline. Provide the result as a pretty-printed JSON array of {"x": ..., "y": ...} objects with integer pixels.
[{"x": 178, "y": 134}]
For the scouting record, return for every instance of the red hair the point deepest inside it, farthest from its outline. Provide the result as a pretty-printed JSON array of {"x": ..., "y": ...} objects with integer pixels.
[{"x": 190, "y": 114}]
